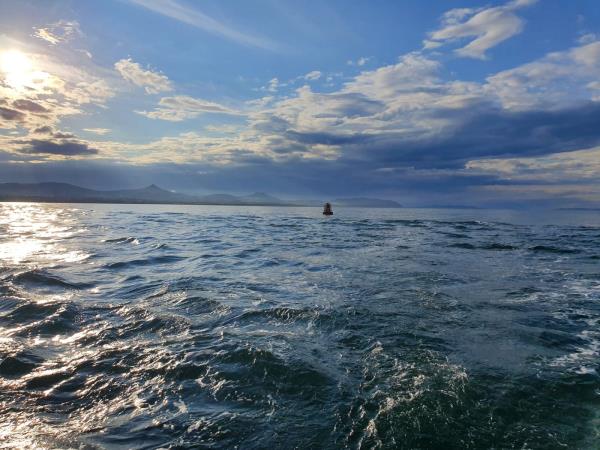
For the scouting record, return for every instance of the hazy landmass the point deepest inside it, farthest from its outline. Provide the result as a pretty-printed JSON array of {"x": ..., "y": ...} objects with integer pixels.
[
  {"x": 69, "y": 193},
  {"x": 367, "y": 202}
]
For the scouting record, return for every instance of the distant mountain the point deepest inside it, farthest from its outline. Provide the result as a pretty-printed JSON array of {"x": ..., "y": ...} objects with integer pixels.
[
  {"x": 64, "y": 192},
  {"x": 436, "y": 206},
  {"x": 219, "y": 199},
  {"x": 43, "y": 190},
  {"x": 148, "y": 194},
  {"x": 260, "y": 198},
  {"x": 69, "y": 193},
  {"x": 367, "y": 202}
]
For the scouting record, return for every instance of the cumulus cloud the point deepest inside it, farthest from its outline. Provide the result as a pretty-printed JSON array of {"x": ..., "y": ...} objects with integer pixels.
[
  {"x": 182, "y": 107},
  {"x": 61, "y": 31},
  {"x": 406, "y": 115},
  {"x": 397, "y": 122},
  {"x": 152, "y": 82},
  {"x": 487, "y": 26},
  {"x": 22, "y": 112},
  {"x": 558, "y": 80},
  {"x": 49, "y": 90}
]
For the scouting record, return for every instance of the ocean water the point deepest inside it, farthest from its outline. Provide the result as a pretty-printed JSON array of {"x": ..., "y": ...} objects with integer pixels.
[{"x": 227, "y": 327}]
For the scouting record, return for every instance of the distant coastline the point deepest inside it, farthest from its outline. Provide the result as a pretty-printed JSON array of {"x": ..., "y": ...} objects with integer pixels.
[{"x": 51, "y": 192}]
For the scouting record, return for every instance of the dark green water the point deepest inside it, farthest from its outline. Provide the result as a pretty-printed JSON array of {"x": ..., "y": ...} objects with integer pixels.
[{"x": 198, "y": 327}]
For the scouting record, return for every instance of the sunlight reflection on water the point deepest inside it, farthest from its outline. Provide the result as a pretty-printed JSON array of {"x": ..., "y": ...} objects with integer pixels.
[{"x": 34, "y": 232}]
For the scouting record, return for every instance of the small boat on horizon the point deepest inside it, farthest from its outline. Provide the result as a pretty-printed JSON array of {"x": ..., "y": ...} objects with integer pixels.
[{"x": 327, "y": 211}]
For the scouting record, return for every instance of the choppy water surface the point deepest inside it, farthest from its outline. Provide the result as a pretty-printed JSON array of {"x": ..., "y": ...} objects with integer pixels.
[{"x": 199, "y": 327}]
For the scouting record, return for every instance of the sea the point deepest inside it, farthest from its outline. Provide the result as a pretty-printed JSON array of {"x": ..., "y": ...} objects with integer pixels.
[{"x": 215, "y": 327}]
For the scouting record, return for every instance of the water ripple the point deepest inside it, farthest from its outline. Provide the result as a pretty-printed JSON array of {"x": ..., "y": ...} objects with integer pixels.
[{"x": 209, "y": 327}]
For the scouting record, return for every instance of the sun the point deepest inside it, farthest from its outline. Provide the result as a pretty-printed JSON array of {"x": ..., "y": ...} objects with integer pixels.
[{"x": 17, "y": 68}]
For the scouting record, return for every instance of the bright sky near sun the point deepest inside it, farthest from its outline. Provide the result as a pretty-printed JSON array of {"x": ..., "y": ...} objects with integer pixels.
[{"x": 436, "y": 102}]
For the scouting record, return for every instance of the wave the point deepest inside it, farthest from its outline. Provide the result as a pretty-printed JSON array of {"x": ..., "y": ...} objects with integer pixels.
[
  {"x": 407, "y": 223},
  {"x": 494, "y": 246},
  {"x": 552, "y": 249},
  {"x": 498, "y": 246},
  {"x": 122, "y": 240},
  {"x": 19, "y": 364},
  {"x": 463, "y": 245},
  {"x": 46, "y": 279},
  {"x": 166, "y": 259},
  {"x": 282, "y": 314},
  {"x": 294, "y": 332}
]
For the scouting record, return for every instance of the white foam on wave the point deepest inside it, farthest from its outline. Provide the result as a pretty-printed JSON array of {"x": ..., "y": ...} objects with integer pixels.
[{"x": 584, "y": 359}]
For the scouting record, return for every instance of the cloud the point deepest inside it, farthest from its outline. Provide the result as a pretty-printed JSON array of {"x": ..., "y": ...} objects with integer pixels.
[
  {"x": 398, "y": 125},
  {"x": 222, "y": 128},
  {"x": 488, "y": 26},
  {"x": 11, "y": 115},
  {"x": 43, "y": 130},
  {"x": 405, "y": 115},
  {"x": 588, "y": 38},
  {"x": 50, "y": 90},
  {"x": 192, "y": 16},
  {"x": 400, "y": 128},
  {"x": 312, "y": 76},
  {"x": 570, "y": 167},
  {"x": 63, "y": 135},
  {"x": 427, "y": 44},
  {"x": 181, "y": 107},
  {"x": 273, "y": 85},
  {"x": 152, "y": 82},
  {"x": 99, "y": 131},
  {"x": 558, "y": 80},
  {"x": 64, "y": 147},
  {"x": 58, "y": 32},
  {"x": 570, "y": 176},
  {"x": 359, "y": 62},
  {"x": 588, "y": 55},
  {"x": 29, "y": 106}
]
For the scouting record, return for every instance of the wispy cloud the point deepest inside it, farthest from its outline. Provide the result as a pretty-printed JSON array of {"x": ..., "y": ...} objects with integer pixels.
[
  {"x": 99, "y": 131},
  {"x": 196, "y": 18},
  {"x": 312, "y": 76},
  {"x": 488, "y": 27},
  {"x": 181, "y": 107},
  {"x": 359, "y": 62},
  {"x": 58, "y": 32},
  {"x": 273, "y": 85},
  {"x": 152, "y": 82}
]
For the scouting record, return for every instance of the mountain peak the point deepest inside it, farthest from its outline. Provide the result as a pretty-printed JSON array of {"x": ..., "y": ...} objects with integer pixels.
[{"x": 153, "y": 187}]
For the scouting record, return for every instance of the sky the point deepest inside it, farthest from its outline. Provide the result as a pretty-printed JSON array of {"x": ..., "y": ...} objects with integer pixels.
[{"x": 427, "y": 103}]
